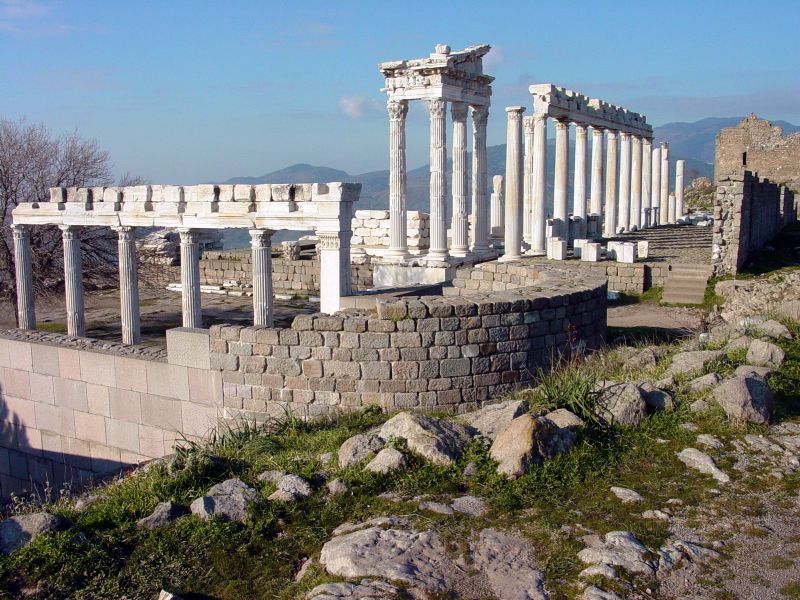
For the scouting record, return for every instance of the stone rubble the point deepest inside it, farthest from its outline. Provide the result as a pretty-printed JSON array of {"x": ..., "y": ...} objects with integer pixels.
[
  {"x": 291, "y": 488},
  {"x": 17, "y": 532},
  {"x": 700, "y": 461},
  {"x": 386, "y": 461},
  {"x": 230, "y": 500},
  {"x": 163, "y": 514},
  {"x": 438, "y": 441}
]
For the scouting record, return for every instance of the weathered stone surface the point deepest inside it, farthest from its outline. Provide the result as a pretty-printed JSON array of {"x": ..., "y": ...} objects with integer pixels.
[
  {"x": 773, "y": 329},
  {"x": 686, "y": 363},
  {"x": 164, "y": 514},
  {"x": 416, "y": 559},
  {"x": 621, "y": 549},
  {"x": 765, "y": 354},
  {"x": 569, "y": 426},
  {"x": 523, "y": 443},
  {"x": 291, "y": 488},
  {"x": 595, "y": 593},
  {"x": 745, "y": 370},
  {"x": 700, "y": 461},
  {"x": 270, "y": 476},
  {"x": 704, "y": 382},
  {"x": 709, "y": 441},
  {"x": 508, "y": 563},
  {"x": 641, "y": 360},
  {"x": 698, "y": 406},
  {"x": 675, "y": 551},
  {"x": 436, "y": 507},
  {"x": 606, "y": 571},
  {"x": 490, "y": 419},
  {"x": 337, "y": 486},
  {"x": 386, "y": 461},
  {"x": 358, "y": 447},
  {"x": 789, "y": 309},
  {"x": 739, "y": 343},
  {"x": 470, "y": 505},
  {"x": 622, "y": 404},
  {"x": 658, "y": 515},
  {"x": 745, "y": 399},
  {"x": 17, "y": 532},
  {"x": 655, "y": 398},
  {"x": 230, "y": 499},
  {"x": 367, "y": 589},
  {"x": 436, "y": 440},
  {"x": 627, "y": 496}
]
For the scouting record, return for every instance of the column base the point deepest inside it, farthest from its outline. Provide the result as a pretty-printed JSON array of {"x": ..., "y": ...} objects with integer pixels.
[
  {"x": 533, "y": 252},
  {"x": 436, "y": 257},
  {"x": 459, "y": 252},
  {"x": 507, "y": 258}
]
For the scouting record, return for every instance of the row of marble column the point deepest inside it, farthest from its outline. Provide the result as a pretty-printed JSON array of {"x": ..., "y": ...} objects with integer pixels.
[
  {"x": 461, "y": 244},
  {"x": 260, "y": 242},
  {"x": 627, "y": 195}
]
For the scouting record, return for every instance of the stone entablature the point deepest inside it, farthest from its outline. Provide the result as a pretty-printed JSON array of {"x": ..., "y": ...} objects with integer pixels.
[{"x": 442, "y": 353}]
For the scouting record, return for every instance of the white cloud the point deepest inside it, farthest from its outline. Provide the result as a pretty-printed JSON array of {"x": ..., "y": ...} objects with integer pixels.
[
  {"x": 493, "y": 59},
  {"x": 352, "y": 106}
]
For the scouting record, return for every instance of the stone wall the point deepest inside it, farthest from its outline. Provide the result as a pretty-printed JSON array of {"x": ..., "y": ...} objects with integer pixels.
[
  {"x": 759, "y": 147},
  {"x": 447, "y": 353},
  {"x": 748, "y": 212},
  {"x": 70, "y": 413},
  {"x": 371, "y": 229}
]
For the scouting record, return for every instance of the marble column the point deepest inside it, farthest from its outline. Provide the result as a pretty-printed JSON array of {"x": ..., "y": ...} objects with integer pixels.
[
  {"x": 664, "y": 199},
  {"x": 624, "y": 214},
  {"x": 480, "y": 206},
  {"x": 539, "y": 221},
  {"x": 438, "y": 181},
  {"x": 334, "y": 264},
  {"x": 261, "y": 259},
  {"x": 128, "y": 285},
  {"x": 513, "y": 182},
  {"x": 460, "y": 223},
  {"x": 655, "y": 200},
  {"x": 635, "y": 221},
  {"x": 73, "y": 280},
  {"x": 611, "y": 185},
  {"x": 498, "y": 208},
  {"x": 527, "y": 181},
  {"x": 561, "y": 228},
  {"x": 679, "y": 208},
  {"x": 671, "y": 211},
  {"x": 398, "y": 240},
  {"x": 190, "y": 278},
  {"x": 596, "y": 199},
  {"x": 579, "y": 184},
  {"x": 26, "y": 313},
  {"x": 646, "y": 181}
]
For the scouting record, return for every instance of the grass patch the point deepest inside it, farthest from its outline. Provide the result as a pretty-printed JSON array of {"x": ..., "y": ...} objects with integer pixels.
[
  {"x": 52, "y": 327},
  {"x": 791, "y": 590}
]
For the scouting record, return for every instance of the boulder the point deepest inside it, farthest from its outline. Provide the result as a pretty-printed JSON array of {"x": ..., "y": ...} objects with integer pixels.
[
  {"x": 568, "y": 427},
  {"x": 740, "y": 343},
  {"x": 366, "y": 589},
  {"x": 439, "y": 441},
  {"x": 386, "y": 461},
  {"x": 490, "y": 419},
  {"x": 627, "y": 496},
  {"x": 508, "y": 564},
  {"x": 272, "y": 477},
  {"x": 622, "y": 404},
  {"x": 700, "y": 461},
  {"x": 773, "y": 329},
  {"x": 745, "y": 370},
  {"x": 709, "y": 441},
  {"x": 698, "y": 406},
  {"x": 765, "y": 354},
  {"x": 17, "y": 532},
  {"x": 686, "y": 363},
  {"x": 164, "y": 514},
  {"x": 789, "y": 309},
  {"x": 230, "y": 500},
  {"x": 656, "y": 399},
  {"x": 337, "y": 486},
  {"x": 642, "y": 360},
  {"x": 620, "y": 549},
  {"x": 523, "y": 443},
  {"x": 470, "y": 505},
  {"x": 705, "y": 382},
  {"x": 291, "y": 488},
  {"x": 745, "y": 399},
  {"x": 359, "y": 447}
]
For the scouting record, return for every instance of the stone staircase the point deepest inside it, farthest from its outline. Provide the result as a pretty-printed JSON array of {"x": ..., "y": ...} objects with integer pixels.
[{"x": 686, "y": 283}]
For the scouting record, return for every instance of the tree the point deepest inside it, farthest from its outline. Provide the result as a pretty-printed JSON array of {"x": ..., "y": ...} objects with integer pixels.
[{"x": 32, "y": 160}]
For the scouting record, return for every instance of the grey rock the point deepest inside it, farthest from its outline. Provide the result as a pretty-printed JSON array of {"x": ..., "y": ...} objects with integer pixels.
[
  {"x": 595, "y": 593},
  {"x": 622, "y": 404},
  {"x": 789, "y": 309},
  {"x": 325, "y": 457},
  {"x": 367, "y": 589},
  {"x": 164, "y": 514},
  {"x": 745, "y": 370},
  {"x": 291, "y": 488},
  {"x": 470, "y": 505},
  {"x": 621, "y": 549},
  {"x": 700, "y": 461},
  {"x": 359, "y": 447},
  {"x": 709, "y": 441},
  {"x": 303, "y": 570},
  {"x": 386, "y": 461},
  {"x": 385, "y": 522},
  {"x": 230, "y": 500},
  {"x": 569, "y": 426},
  {"x": 642, "y": 360},
  {"x": 606, "y": 571},
  {"x": 774, "y": 329},
  {"x": 689, "y": 427},
  {"x": 656, "y": 399},
  {"x": 739, "y": 343},
  {"x": 627, "y": 496},
  {"x": 698, "y": 406},
  {"x": 686, "y": 363},
  {"x": 491, "y": 419},
  {"x": 270, "y": 476},
  {"x": 522, "y": 444},
  {"x": 17, "y": 532},
  {"x": 337, "y": 486},
  {"x": 704, "y": 382},
  {"x": 745, "y": 399},
  {"x": 507, "y": 561},
  {"x": 765, "y": 354},
  {"x": 84, "y": 502},
  {"x": 675, "y": 551},
  {"x": 658, "y": 515},
  {"x": 439, "y": 441},
  {"x": 436, "y": 507},
  {"x": 469, "y": 470}
]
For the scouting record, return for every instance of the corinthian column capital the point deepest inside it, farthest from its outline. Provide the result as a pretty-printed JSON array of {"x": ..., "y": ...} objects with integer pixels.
[
  {"x": 437, "y": 107},
  {"x": 480, "y": 115},
  {"x": 459, "y": 111},
  {"x": 398, "y": 109}
]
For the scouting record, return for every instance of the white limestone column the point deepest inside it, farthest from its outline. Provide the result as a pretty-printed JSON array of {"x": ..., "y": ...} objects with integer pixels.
[
  {"x": 26, "y": 313},
  {"x": 438, "y": 181},
  {"x": 513, "y": 182},
  {"x": 596, "y": 199},
  {"x": 671, "y": 211},
  {"x": 664, "y": 200},
  {"x": 398, "y": 240},
  {"x": 498, "y": 208},
  {"x": 611, "y": 185},
  {"x": 624, "y": 213},
  {"x": 527, "y": 181},
  {"x": 679, "y": 208},
  {"x": 561, "y": 228},
  {"x": 460, "y": 223},
  {"x": 334, "y": 264},
  {"x": 579, "y": 185},
  {"x": 539, "y": 221},
  {"x": 190, "y": 278},
  {"x": 73, "y": 280},
  {"x": 635, "y": 221},
  {"x": 480, "y": 206},
  {"x": 261, "y": 253},
  {"x": 128, "y": 285},
  {"x": 655, "y": 201},
  {"x": 646, "y": 181}
]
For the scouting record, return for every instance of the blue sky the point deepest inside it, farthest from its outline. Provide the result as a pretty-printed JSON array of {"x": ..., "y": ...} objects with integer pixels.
[{"x": 188, "y": 91}]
